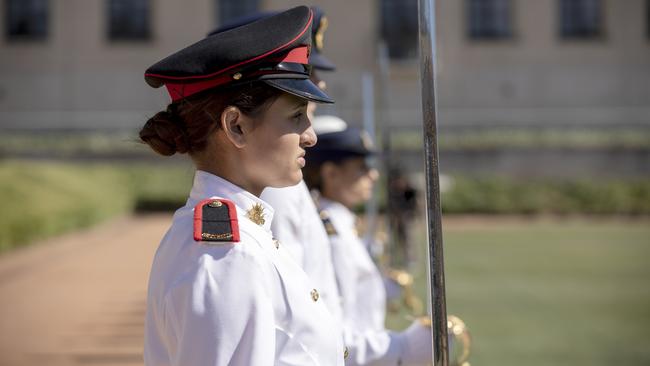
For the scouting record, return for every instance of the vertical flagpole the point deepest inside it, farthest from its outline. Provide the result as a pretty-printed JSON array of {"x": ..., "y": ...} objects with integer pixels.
[
  {"x": 368, "y": 92},
  {"x": 427, "y": 36}
]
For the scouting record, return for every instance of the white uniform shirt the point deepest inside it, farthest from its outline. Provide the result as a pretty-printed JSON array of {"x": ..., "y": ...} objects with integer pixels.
[
  {"x": 298, "y": 226},
  {"x": 362, "y": 291},
  {"x": 244, "y": 303}
]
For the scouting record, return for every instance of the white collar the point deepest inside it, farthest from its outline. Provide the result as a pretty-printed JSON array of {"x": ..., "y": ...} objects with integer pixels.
[{"x": 207, "y": 185}]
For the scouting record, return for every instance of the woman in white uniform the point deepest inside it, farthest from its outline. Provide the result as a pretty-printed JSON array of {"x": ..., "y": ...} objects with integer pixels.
[
  {"x": 222, "y": 291},
  {"x": 337, "y": 168},
  {"x": 295, "y": 221}
]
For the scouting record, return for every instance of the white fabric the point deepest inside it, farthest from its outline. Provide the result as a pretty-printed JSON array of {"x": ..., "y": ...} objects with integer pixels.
[
  {"x": 362, "y": 292},
  {"x": 417, "y": 341},
  {"x": 364, "y": 301},
  {"x": 244, "y": 303},
  {"x": 327, "y": 124},
  {"x": 299, "y": 228}
]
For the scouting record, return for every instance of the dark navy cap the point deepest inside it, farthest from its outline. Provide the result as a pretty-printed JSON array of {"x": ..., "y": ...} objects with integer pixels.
[
  {"x": 340, "y": 145},
  {"x": 319, "y": 25},
  {"x": 274, "y": 50}
]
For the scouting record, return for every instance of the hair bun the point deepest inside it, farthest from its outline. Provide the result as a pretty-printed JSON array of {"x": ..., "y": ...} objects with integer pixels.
[{"x": 165, "y": 134}]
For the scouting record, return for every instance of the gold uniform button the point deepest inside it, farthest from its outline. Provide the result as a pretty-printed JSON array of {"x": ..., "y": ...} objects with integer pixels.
[
  {"x": 215, "y": 203},
  {"x": 346, "y": 353},
  {"x": 314, "y": 295},
  {"x": 276, "y": 242}
]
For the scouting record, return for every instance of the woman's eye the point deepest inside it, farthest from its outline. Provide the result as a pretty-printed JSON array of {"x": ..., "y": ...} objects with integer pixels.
[{"x": 297, "y": 115}]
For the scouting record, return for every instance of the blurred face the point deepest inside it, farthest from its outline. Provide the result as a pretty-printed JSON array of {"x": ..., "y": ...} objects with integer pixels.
[
  {"x": 275, "y": 152},
  {"x": 349, "y": 182}
]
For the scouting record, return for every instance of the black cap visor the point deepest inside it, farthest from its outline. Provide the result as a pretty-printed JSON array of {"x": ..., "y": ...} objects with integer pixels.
[{"x": 302, "y": 88}]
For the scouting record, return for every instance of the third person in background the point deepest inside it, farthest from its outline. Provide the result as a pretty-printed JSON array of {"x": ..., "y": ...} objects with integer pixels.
[{"x": 337, "y": 170}]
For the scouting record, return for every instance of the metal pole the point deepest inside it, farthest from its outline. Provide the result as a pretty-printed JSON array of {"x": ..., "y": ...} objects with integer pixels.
[
  {"x": 368, "y": 92},
  {"x": 427, "y": 35}
]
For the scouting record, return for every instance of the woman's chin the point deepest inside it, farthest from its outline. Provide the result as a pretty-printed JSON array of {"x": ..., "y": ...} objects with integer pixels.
[{"x": 288, "y": 180}]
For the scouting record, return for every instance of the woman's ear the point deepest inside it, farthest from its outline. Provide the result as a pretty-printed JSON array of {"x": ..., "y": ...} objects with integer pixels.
[{"x": 232, "y": 123}]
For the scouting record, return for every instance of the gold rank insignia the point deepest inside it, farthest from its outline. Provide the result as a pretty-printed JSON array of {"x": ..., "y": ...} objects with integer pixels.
[
  {"x": 327, "y": 223},
  {"x": 256, "y": 214}
]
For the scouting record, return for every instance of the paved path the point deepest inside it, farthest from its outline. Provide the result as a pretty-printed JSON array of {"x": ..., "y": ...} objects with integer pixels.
[{"x": 79, "y": 299}]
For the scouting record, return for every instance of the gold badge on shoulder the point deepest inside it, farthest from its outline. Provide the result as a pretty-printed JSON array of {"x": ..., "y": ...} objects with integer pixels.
[{"x": 256, "y": 214}]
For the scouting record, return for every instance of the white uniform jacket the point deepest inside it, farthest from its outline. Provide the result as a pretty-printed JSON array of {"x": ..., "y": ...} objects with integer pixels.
[
  {"x": 362, "y": 291},
  {"x": 243, "y": 303},
  {"x": 297, "y": 225}
]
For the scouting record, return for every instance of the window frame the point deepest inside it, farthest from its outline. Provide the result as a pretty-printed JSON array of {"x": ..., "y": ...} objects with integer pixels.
[
  {"x": 585, "y": 34},
  {"x": 494, "y": 34},
  {"x": 39, "y": 34},
  {"x": 249, "y": 7},
  {"x": 400, "y": 48},
  {"x": 130, "y": 33}
]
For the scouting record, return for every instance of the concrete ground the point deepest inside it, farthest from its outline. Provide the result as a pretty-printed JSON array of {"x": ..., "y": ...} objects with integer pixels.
[{"x": 79, "y": 299}]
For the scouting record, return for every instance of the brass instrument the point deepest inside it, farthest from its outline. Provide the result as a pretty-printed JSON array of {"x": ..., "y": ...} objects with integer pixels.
[{"x": 459, "y": 338}]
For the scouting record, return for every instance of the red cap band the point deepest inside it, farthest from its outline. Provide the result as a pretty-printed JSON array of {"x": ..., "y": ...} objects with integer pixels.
[{"x": 179, "y": 91}]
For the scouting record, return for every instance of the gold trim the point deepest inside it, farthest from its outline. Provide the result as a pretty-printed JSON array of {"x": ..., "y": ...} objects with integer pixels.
[
  {"x": 208, "y": 236},
  {"x": 237, "y": 76}
]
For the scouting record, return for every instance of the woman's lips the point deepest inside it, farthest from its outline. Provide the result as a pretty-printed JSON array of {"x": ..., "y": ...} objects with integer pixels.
[{"x": 301, "y": 161}]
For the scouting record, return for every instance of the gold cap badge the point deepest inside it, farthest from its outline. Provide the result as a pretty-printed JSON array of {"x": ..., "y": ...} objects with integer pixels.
[{"x": 320, "y": 33}]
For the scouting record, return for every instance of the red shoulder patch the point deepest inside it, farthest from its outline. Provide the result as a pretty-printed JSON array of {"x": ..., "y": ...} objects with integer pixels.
[{"x": 215, "y": 219}]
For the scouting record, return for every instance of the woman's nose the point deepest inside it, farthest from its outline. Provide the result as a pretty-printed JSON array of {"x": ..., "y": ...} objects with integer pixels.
[{"x": 308, "y": 137}]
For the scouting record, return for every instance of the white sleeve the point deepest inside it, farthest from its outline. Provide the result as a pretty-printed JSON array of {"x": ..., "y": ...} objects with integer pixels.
[
  {"x": 221, "y": 316},
  {"x": 373, "y": 347},
  {"x": 376, "y": 347}
]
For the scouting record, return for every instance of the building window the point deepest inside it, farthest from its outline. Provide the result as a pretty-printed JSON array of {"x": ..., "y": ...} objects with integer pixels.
[
  {"x": 581, "y": 19},
  {"x": 489, "y": 19},
  {"x": 227, "y": 10},
  {"x": 26, "y": 19},
  {"x": 129, "y": 20},
  {"x": 399, "y": 28}
]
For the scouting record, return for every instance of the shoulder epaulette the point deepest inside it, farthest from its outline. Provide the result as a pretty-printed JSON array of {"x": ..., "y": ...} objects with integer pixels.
[
  {"x": 215, "y": 219},
  {"x": 327, "y": 223}
]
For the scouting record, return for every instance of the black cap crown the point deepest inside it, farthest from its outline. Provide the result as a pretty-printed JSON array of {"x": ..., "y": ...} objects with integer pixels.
[
  {"x": 319, "y": 25},
  {"x": 273, "y": 50}
]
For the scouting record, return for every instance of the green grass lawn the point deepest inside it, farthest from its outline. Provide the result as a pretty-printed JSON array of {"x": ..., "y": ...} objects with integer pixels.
[
  {"x": 551, "y": 292},
  {"x": 42, "y": 199}
]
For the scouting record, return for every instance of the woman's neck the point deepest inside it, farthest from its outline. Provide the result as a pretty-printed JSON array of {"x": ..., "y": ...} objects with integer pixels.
[{"x": 229, "y": 170}]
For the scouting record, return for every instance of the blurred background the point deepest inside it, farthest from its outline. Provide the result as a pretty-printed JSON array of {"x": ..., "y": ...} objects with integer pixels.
[{"x": 544, "y": 138}]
